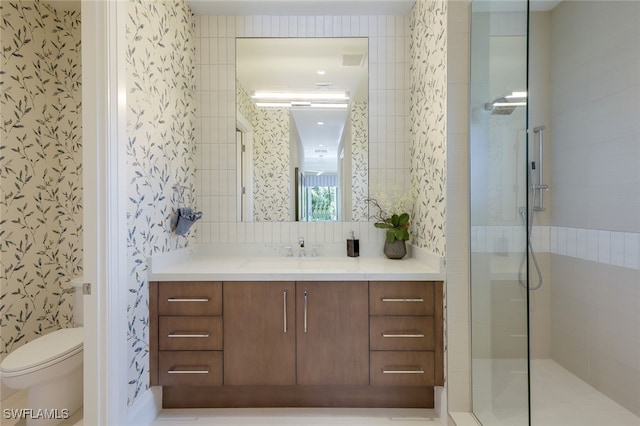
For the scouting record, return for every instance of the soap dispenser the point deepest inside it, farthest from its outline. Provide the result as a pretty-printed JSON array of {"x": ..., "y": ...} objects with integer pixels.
[{"x": 353, "y": 246}]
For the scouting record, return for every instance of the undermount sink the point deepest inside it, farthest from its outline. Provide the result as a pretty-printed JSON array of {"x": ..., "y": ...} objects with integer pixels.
[{"x": 323, "y": 264}]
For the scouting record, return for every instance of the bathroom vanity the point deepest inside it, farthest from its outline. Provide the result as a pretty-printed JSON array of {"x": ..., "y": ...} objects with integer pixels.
[{"x": 281, "y": 332}]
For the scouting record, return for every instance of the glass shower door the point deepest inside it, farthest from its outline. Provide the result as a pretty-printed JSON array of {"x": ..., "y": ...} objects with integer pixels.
[{"x": 498, "y": 158}]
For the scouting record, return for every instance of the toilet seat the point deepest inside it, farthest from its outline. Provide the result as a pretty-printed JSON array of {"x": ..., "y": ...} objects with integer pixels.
[{"x": 43, "y": 352}]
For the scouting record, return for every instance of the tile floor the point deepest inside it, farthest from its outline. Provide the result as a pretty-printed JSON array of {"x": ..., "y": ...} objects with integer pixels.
[
  {"x": 298, "y": 417},
  {"x": 558, "y": 399},
  {"x": 19, "y": 400}
]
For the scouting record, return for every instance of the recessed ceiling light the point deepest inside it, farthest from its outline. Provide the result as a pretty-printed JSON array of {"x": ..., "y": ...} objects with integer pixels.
[
  {"x": 320, "y": 123},
  {"x": 321, "y": 72}
]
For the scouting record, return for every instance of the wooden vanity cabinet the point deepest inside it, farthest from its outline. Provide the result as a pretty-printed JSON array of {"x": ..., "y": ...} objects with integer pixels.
[
  {"x": 267, "y": 343},
  {"x": 296, "y": 344},
  {"x": 186, "y": 341},
  {"x": 259, "y": 333},
  {"x": 406, "y": 336},
  {"x": 332, "y": 333}
]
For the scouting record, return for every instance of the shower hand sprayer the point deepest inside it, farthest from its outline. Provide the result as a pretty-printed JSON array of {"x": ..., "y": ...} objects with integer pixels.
[{"x": 536, "y": 205}]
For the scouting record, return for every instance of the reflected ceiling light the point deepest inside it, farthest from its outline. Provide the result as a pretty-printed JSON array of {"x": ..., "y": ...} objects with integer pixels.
[
  {"x": 321, "y": 72},
  {"x": 299, "y": 104},
  {"x": 329, "y": 105},
  {"x": 320, "y": 123},
  {"x": 302, "y": 96},
  {"x": 273, "y": 104}
]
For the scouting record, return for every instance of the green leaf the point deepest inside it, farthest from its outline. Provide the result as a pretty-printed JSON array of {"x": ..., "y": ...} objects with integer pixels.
[
  {"x": 391, "y": 236},
  {"x": 382, "y": 225},
  {"x": 404, "y": 219}
]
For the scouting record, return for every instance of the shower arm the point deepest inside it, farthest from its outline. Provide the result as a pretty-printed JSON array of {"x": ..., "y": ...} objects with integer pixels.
[{"x": 538, "y": 186}]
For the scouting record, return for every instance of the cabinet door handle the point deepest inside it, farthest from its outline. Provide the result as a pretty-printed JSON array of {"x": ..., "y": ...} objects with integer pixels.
[
  {"x": 284, "y": 309},
  {"x": 306, "y": 297},
  {"x": 415, "y": 370},
  {"x": 408, "y": 334},
  {"x": 195, "y": 299},
  {"x": 196, "y": 335},
  {"x": 188, "y": 371},
  {"x": 390, "y": 299}
]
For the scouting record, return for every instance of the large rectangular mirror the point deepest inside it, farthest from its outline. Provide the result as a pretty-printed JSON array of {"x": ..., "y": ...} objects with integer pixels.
[{"x": 302, "y": 129}]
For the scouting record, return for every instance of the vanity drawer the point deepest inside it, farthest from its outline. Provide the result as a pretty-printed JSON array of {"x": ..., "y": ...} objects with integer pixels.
[
  {"x": 190, "y": 332},
  {"x": 197, "y": 368},
  {"x": 401, "y": 333},
  {"x": 402, "y": 368},
  {"x": 190, "y": 298},
  {"x": 401, "y": 298}
]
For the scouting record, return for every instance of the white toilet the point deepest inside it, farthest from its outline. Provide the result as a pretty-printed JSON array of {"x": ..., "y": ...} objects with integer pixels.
[{"x": 50, "y": 369}]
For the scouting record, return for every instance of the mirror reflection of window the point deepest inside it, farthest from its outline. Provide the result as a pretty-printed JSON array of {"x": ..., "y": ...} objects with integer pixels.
[
  {"x": 305, "y": 102},
  {"x": 320, "y": 200}
]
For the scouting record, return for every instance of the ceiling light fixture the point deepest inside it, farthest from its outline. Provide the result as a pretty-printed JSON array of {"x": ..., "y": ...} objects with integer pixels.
[
  {"x": 302, "y": 96},
  {"x": 329, "y": 105}
]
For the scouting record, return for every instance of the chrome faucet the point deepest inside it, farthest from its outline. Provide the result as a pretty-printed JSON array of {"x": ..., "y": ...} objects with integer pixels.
[{"x": 301, "y": 243}]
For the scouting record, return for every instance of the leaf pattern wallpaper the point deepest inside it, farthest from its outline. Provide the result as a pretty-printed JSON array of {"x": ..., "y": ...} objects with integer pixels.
[
  {"x": 41, "y": 169},
  {"x": 428, "y": 123},
  {"x": 271, "y": 183},
  {"x": 271, "y": 158},
  {"x": 161, "y": 153},
  {"x": 359, "y": 115}
]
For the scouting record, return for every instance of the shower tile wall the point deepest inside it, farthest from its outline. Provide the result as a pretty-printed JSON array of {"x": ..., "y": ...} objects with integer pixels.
[{"x": 595, "y": 196}]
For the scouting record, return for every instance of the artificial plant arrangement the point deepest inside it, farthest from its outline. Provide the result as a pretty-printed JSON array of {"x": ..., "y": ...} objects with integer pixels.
[
  {"x": 393, "y": 215},
  {"x": 396, "y": 224}
]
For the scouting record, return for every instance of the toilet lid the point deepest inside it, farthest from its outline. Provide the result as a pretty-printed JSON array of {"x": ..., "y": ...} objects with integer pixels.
[{"x": 44, "y": 349}]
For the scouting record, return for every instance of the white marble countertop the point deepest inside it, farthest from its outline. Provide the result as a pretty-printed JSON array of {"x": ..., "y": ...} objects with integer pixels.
[{"x": 206, "y": 263}]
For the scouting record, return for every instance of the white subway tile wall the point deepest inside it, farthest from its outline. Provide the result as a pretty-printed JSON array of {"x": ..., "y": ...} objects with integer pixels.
[
  {"x": 607, "y": 247},
  {"x": 215, "y": 127}
]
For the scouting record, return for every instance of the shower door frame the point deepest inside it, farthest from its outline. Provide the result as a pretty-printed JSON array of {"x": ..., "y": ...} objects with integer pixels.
[{"x": 488, "y": 248}]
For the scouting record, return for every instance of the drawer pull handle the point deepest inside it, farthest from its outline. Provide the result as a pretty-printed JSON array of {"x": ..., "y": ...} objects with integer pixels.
[
  {"x": 188, "y": 371},
  {"x": 202, "y": 335},
  {"x": 201, "y": 299},
  {"x": 413, "y": 335},
  {"x": 416, "y": 370},
  {"x": 284, "y": 311},
  {"x": 389, "y": 299},
  {"x": 306, "y": 300}
]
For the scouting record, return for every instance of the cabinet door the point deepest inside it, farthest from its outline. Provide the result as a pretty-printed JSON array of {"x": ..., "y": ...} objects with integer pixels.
[
  {"x": 259, "y": 333},
  {"x": 333, "y": 333}
]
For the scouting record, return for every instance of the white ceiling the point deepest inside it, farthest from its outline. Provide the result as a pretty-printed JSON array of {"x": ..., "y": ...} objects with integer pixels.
[
  {"x": 301, "y": 7},
  {"x": 279, "y": 64}
]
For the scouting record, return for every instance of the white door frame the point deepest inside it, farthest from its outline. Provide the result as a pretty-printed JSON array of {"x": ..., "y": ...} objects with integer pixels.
[{"x": 104, "y": 204}]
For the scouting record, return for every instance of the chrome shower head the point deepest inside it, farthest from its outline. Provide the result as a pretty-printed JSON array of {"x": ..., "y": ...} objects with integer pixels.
[{"x": 507, "y": 104}]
